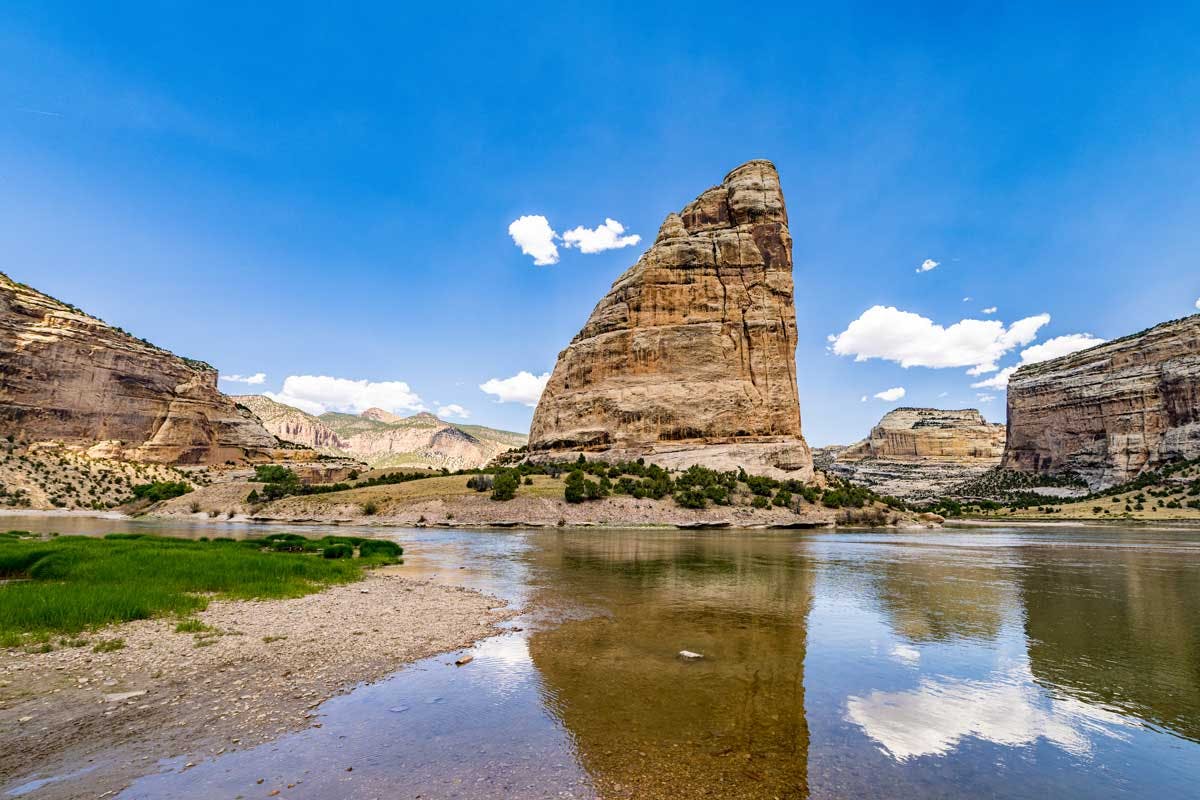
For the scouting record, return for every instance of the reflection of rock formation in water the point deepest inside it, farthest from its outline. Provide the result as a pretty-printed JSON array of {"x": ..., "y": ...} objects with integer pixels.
[
  {"x": 1124, "y": 634},
  {"x": 649, "y": 725},
  {"x": 943, "y": 599}
]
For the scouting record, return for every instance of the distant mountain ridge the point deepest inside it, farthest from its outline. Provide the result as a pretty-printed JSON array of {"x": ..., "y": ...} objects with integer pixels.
[{"x": 383, "y": 439}]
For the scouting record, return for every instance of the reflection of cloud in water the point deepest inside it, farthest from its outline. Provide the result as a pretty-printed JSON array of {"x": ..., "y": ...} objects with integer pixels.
[
  {"x": 1010, "y": 710},
  {"x": 505, "y": 661},
  {"x": 906, "y": 654}
]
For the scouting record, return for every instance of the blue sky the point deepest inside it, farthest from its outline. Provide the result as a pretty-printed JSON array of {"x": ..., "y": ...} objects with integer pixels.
[{"x": 295, "y": 190}]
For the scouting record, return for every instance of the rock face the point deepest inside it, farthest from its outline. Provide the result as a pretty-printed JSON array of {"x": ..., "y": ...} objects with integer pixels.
[
  {"x": 291, "y": 424},
  {"x": 69, "y": 377},
  {"x": 922, "y": 452},
  {"x": 383, "y": 439},
  {"x": 690, "y": 357},
  {"x": 1110, "y": 412}
]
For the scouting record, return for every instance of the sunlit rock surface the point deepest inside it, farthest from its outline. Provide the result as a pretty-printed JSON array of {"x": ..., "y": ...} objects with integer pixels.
[{"x": 690, "y": 357}]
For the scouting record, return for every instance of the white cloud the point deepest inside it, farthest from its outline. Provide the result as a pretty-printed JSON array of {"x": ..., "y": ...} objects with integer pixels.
[
  {"x": 1051, "y": 348},
  {"x": 1059, "y": 346},
  {"x": 990, "y": 310},
  {"x": 1197, "y": 303},
  {"x": 533, "y": 234},
  {"x": 453, "y": 410},
  {"x": 985, "y": 398},
  {"x": 943, "y": 394},
  {"x": 597, "y": 240},
  {"x": 254, "y": 380},
  {"x": 967, "y": 299},
  {"x": 927, "y": 265},
  {"x": 1008, "y": 710},
  {"x": 524, "y": 387},
  {"x": 915, "y": 341},
  {"x": 864, "y": 399},
  {"x": 891, "y": 395},
  {"x": 997, "y": 381},
  {"x": 317, "y": 394}
]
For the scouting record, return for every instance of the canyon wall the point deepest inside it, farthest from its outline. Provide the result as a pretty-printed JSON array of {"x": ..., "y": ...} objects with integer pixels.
[
  {"x": 690, "y": 357},
  {"x": 919, "y": 453},
  {"x": 1110, "y": 412},
  {"x": 69, "y": 377}
]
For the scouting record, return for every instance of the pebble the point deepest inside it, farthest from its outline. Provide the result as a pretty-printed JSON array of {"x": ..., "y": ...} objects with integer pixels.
[{"x": 688, "y": 655}]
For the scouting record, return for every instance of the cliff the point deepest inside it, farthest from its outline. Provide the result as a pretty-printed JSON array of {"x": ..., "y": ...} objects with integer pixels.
[
  {"x": 291, "y": 424},
  {"x": 690, "y": 357},
  {"x": 383, "y": 439},
  {"x": 921, "y": 452},
  {"x": 1110, "y": 412},
  {"x": 69, "y": 377}
]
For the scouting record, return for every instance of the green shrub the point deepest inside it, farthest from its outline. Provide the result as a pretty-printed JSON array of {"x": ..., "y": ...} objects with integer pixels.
[
  {"x": 338, "y": 551},
  {"x": 160, "y": 490},
  {"x": 504, "y": 487},
  {"x": 760, "y": 502},
  {"x": 274, "y": 473},
  {"x": 370, "y": 508},
  {"x": 574, "y": 490},
  {"x": 380, "y": 547},
  {"x": 782, "y": 499}
]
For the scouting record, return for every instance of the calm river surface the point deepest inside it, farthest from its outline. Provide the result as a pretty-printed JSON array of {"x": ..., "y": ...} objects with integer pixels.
[{"x": 1002, "y": 663}]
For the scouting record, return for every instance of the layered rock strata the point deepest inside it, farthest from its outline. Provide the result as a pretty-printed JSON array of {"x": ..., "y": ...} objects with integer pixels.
[
  {"x": 1110, "y": 412},
  {"x": 690, "y": 357},
  {"x": 382, "y": 439},
  {"x": 69, "y": 377},
  {"x": 922, "y": 452}
]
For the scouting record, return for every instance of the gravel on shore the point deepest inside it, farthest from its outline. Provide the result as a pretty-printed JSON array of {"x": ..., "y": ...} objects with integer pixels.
[{"x": 256, "y": 673}]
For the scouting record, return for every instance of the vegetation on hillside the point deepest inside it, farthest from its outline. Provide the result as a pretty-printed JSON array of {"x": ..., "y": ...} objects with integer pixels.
[{"x": 1173, "y": 486}]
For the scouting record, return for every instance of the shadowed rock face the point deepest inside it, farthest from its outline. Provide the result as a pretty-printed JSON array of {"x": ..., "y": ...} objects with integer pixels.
[
  {"x": 69, "y": 377},
  {"x": 690, "y": 357},
  {"x": 1112, "y": 411}
]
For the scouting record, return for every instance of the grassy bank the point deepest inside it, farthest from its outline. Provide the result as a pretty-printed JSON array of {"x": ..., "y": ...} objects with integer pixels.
[{"x": 69, "y": 584}]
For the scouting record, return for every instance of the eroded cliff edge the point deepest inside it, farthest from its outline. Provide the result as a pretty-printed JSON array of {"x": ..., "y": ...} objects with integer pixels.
[
  {"x": 690, "y": 357},
  {"x": 69, "y": 377},
  {"x": 1110, "y": 412},
  {"x": 918, "y": 453}
]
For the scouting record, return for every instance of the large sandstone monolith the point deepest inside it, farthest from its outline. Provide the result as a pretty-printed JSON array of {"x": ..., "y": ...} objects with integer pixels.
[
  {"x": 691, "y": 356},
  {"x": 1107, "y": 413}
]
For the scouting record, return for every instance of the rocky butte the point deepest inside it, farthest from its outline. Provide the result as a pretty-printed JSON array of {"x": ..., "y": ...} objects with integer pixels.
[
  {"x": 1107, "y": 413},
  {"x": 68, "y": 377},
  {"x": 691, "y": 356},
  {"x": 922, "y": 452}
]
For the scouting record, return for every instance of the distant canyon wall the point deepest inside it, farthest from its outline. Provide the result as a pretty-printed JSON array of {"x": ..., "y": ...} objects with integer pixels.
[{"x": 1110, "y": 412}]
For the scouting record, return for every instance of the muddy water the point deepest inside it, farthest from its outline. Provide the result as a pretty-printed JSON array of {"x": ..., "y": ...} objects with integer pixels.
[{"x": 989, "y": 663}]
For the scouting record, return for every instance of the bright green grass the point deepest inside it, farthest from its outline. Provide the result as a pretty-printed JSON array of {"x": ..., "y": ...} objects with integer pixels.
[{"x": 69, "y": 584}]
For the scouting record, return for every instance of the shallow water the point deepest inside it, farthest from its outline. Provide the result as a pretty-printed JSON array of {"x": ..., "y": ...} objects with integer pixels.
[{"x": 985, "y": 663}]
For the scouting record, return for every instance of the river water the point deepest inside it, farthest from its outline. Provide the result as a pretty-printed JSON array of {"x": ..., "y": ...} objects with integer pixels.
[{"x": 1002, "y": 663}]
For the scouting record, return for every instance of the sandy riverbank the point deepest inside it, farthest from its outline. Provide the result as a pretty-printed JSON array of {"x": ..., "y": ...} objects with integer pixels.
[{"x": 182, "y": 694}]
